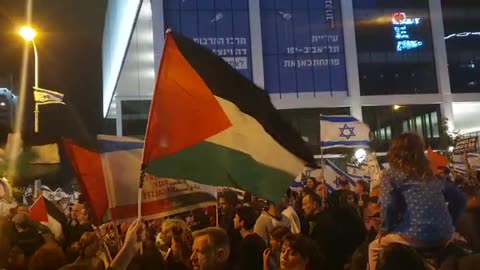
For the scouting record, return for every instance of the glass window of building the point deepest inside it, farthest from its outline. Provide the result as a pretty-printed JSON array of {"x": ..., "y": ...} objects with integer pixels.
[
  {"x": 134, "y": 117},
  {"x": 223, "y": 26},
  {"x": 461, "y": 21},
  {"x": 394, "y": 46},
  {"x": 307, "y": 123},
  {"x": 303, "y": 47},
  {"x": 387, "y": 124}
]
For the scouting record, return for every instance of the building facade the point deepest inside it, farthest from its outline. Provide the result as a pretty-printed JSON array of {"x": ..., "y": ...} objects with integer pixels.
[{"x": 397, "y": 65}]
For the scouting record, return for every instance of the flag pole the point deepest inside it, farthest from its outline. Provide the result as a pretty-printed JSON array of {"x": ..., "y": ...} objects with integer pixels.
[
  {"x": 322, "y": 159},
  {"x": 139, "y": 209},
  {"x": 216, "y": 208}
]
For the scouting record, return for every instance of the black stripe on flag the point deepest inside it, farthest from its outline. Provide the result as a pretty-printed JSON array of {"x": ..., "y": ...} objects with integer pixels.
[
  {"x": 225, "y": 82},
  {"x": 55, "y": 213}
]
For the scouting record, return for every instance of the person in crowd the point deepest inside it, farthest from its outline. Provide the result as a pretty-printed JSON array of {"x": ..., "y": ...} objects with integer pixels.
[
  {"x": 252, "y": 245},
  {"x": 271, "y": 256},
  {"x": 322, "y": 190},
  {"x": 227, "y": 202},
  {"x": 311, "y": 183},
  {"x": 338, "y": 230},
  {"x": 301, "y": 253},
  {"x": 181, "y": 247},
  {"x": 173, "y": 227},
  {"x": 362, "y": 190},
  {"x": 88, "y": 247},
  {"x": 7, "y": 236},
  {"x": 290, "y": 212},
  {"x": 400, "y": 257},
  {"x": 74, "y": 212},
  {"x": 469, "y": 223},
  {"x": 42, "y": 229},
  {"x": 343, "y": 183},
  {"x": 269, "y": 219},
  {"x": 312, "y": 206},
  {"x": 72, "y": 235},
  {"x": 27, "y": 238},
  {"x": 47, "y": 257},
  {"x": 82, "y": 226},
  {"x": 414, "y": 201},
  {"x": 210, "y": 250},
  {"x": 359, "y": 259}
]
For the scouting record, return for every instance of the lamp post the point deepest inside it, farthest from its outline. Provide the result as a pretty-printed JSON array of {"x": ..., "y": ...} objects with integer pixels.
[{"x": 28, "y": 34}]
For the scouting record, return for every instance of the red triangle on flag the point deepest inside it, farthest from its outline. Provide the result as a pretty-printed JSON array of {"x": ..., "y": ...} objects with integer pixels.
[
  {"x": 38, "y": 211},
  {"x": 184, "y": 111}
]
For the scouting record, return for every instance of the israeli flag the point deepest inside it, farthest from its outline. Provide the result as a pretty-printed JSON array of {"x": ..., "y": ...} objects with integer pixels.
[
  {"x": 358, "y": 172},
  {"x": 343, "y": 131},
  {"x": 332, "y": 176}
]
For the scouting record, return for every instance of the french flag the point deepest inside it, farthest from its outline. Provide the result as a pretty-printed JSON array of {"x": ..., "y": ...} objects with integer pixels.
[{"x": 109, "y": 177}]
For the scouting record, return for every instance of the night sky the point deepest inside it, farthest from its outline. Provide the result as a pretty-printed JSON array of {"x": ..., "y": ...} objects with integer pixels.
[{"x": 69, "y": 45}]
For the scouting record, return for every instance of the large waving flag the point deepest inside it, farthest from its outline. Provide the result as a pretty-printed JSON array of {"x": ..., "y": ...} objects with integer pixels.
[
  {"x": 343, "y": 131},
  {"x": 210, "y": 124},
  {"x": 109, "y": 179}
]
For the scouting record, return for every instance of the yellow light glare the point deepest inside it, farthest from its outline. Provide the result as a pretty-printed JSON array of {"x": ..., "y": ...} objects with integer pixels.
[
  {"x": 27, "y": 33},
  {"x": 396, "y": 107}
]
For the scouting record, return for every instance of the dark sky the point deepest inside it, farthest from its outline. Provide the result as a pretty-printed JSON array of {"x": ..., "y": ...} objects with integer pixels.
[{"x": 69, "y": 45}]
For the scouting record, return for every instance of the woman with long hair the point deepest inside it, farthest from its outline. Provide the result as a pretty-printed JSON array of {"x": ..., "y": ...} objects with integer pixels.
[
  {"x": 414, "y": 201},
  {"x": 175, "y": 242}
]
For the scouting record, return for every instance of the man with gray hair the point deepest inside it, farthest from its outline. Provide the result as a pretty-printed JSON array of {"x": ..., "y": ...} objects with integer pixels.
[{"x": 210, "y": 250}]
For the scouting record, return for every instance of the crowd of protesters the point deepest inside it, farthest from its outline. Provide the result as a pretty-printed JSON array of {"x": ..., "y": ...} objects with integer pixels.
[{"x": 417, "y": 218}]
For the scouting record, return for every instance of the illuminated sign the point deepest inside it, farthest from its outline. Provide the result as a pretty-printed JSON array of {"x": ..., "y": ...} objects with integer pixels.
[
  {"x": 462, "y": 35},
  {"x": 402, "y": 28}
]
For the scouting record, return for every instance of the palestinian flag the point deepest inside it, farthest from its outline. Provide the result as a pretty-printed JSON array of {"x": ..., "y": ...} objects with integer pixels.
[
  {"x": 211, "y": 125},
  {"x": 46, "y": 213}
]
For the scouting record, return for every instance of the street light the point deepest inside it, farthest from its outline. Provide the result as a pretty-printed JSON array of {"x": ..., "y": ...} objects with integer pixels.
[{"x": 28, "y": 34}]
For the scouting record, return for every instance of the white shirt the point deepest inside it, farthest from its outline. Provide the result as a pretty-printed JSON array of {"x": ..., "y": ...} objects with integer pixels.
[{"x": 295, "y": 226}]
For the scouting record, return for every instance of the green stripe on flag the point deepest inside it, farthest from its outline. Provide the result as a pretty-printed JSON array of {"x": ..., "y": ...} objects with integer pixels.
[{"x": 216, "y": 165}]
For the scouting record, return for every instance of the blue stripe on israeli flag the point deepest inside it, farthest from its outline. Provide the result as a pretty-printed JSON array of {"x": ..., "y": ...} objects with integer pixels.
[
  {"x": 339, "y": 118},
  {"x": 340, "y": 172},
  {"x": 345, "y": 143}
]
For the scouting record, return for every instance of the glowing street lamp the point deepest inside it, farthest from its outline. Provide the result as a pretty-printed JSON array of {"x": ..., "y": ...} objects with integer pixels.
[
  {"x": 396, "y": 107},
  {"x": 29, "y": 34}
]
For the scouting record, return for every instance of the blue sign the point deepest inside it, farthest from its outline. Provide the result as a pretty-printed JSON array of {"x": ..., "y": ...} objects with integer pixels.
[
  {"x": 220, "y": 25},
  {"x": 303, "y": 46}
]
